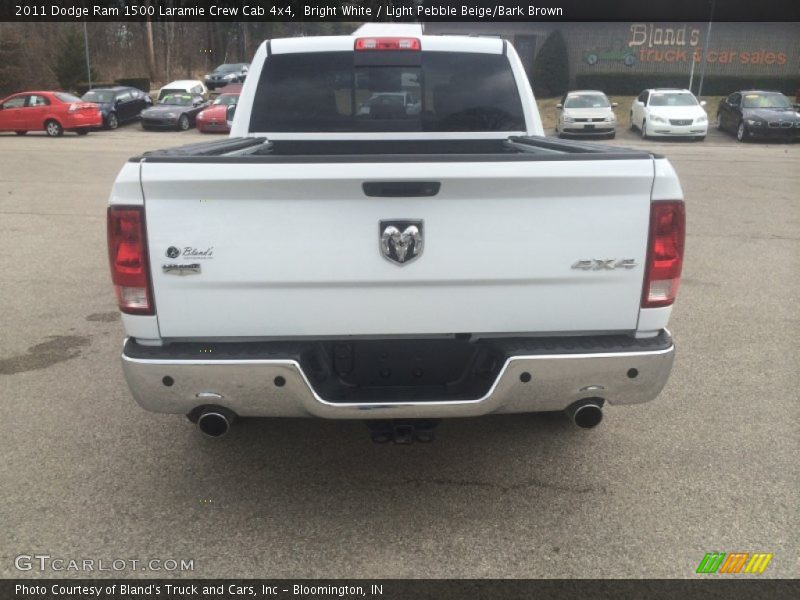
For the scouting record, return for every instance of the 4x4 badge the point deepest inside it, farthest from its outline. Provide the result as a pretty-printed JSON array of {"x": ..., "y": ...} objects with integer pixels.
[{"x": 604, "y": 264}]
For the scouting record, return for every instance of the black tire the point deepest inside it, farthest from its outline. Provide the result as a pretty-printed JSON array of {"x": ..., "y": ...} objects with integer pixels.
[
  {"x": 719, "y": 122},
  {"x": 183, "y": 123},
  {"x": 53, "y": 128},
  {"x": 112, "y": 121},
  {"x": 82, "y": 131},
  {"x": 20, "y": 132},
  {"x": 644, "y": 129},
  {"x": 741, "y": 132},
  {"x": 632, "y": 127},
  {"x": 611, "y": 135}
]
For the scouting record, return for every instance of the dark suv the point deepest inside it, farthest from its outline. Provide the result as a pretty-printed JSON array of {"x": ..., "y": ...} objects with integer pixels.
[{"x": 225, "y": 74}]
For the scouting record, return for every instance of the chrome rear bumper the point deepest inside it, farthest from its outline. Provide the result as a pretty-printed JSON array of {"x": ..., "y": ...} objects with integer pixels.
[{"x": 273, "y": 386}]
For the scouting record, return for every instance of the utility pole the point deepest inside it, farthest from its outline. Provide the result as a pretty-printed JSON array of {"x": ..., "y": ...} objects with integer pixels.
[
  {"x": 705, "y": 51},
  {"x": 86, "y": 48}
]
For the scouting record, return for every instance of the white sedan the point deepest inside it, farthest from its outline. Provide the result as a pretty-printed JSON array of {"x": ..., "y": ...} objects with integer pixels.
[
  {"x": 668, "y": 112},
  {"x": 586, "y": 112}
]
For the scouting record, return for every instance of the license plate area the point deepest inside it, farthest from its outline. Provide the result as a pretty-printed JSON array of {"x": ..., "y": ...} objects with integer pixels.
[{"x": 393, "y": 370}]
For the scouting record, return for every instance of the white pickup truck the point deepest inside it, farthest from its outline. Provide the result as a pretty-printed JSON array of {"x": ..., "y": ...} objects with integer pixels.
[{"x": 344, "y": 255}]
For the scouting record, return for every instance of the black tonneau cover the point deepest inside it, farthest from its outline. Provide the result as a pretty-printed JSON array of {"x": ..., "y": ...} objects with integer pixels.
[{"x": 261, "y": 150}]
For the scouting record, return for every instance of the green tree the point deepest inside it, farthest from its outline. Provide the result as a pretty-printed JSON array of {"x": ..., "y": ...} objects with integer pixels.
[
  {"x": 70, "y": 67},
  {"x": 551, "y": 67},
  {"x": 11, "y": 71}
]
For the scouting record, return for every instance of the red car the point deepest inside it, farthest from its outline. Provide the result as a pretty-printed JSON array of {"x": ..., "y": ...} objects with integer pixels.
[
  {"x": 213, "y": 118},
  {"x": 51, "y": 112}
]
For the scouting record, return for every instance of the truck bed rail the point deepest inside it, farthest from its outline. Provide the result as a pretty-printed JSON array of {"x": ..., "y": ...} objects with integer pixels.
[{"x": 261, "y": 150}]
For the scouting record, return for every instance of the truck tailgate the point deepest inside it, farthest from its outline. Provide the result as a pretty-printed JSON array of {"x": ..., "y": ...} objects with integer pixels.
[{"x": 293, "y": 249}]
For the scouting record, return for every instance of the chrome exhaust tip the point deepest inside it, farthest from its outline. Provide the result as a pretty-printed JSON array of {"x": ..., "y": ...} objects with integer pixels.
[
  {"x": 586, "y": 414},
  {"x": 215, "y": 421}
]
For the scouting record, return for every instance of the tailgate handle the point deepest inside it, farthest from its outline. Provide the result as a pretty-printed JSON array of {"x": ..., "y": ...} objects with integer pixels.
[{"x": 401, "y": 189}]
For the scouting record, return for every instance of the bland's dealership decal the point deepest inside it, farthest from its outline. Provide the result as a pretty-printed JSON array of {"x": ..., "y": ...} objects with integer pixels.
[{"x": 190, "y": 252}]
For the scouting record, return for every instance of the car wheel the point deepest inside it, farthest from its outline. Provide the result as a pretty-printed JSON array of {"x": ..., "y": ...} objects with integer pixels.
[
  {"x": 112, "y": 121},
  {"x": 20, "y": 132},
  {"x": 741, "y": 132},
  {"x": 644, "y": 129},
  {"x": 53, "y": 128},
  {"x": 183, "y": 123},
  {"x": 719, "y": 122},
  {"x": 632, "y": 125},
  {"x": 82, "y": 131},
  {"x": 611, "y": 135}
]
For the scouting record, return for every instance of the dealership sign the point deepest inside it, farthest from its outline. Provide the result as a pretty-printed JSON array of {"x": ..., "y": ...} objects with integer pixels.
[{"x": 658, "y": 44}]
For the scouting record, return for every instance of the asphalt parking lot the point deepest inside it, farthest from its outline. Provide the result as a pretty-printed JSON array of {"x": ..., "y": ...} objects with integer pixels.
[{"x": 709, "y": 466}]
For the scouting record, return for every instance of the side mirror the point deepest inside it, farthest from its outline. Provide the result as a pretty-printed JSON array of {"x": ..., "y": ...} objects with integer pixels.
[
  {"x": 229, "y": 112},
  {"x": 559, "y": 106},
  {"x": 614, "y": 104},
  {"x": 703, "y": 102}
]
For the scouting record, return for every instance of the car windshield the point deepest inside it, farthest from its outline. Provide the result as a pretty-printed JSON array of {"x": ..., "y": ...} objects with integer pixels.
[
  {"x": 167, "y": 91},
  {"x": 177, "y": 100},
  {"x": 586, "y": 101},
  {"x": 667, "y": 99},
  {"x": 226, "y": 99},
  {"x": 65, "y": 97},
  {"x": 101, "y": 97},
  {"x": 772, "y": 100},
  {"x": 227, "y": 68}
]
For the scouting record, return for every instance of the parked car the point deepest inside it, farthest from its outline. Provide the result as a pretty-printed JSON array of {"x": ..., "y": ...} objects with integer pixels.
[
  {"x": 762, "y": 114},
  {"x": 586, "y": 112},
  {"x": 118, "y": 104},
  {"x": 53, "y": 112},
  {"x": 336, "y": 268},
  {"x": 173, "y": 111},
  {"x": 193, "y": 87},
  {"x": 225, "y": 74},
  {"x": 389, "y": 105},
  {"x": 213, "y": 118},
  {"x": 669, "y": 112}
]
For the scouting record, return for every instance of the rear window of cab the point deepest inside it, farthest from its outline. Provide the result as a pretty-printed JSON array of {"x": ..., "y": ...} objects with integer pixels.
[{"x": 328, "y": 92}]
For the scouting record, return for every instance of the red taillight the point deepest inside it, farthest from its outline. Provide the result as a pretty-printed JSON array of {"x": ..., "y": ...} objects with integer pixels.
[
  {"x": 76, "y": 106},
  {"x": 387, "y": 43},
  {"x": 127, "y": 254},
  {"x": 664, "y": 253}
]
